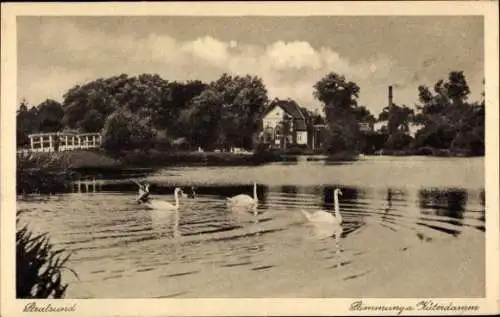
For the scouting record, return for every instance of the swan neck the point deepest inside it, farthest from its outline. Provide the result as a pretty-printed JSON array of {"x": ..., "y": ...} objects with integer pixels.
[
  {"x": 336, "y": 203},
  {"x": 255, "y": 191}
]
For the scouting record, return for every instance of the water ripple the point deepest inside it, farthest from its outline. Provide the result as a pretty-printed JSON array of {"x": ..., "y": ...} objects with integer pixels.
[{"x": 116, "y": 239}]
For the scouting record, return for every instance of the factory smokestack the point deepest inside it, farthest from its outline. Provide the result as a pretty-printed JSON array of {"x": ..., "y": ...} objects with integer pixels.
[{"x": 390, "y": 96}]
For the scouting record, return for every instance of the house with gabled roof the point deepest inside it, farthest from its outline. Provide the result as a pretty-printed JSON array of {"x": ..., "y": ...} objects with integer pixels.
[{"x": 284, "y": 125}]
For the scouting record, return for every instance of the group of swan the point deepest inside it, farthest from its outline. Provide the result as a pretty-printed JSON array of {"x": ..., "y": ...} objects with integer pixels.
[{"x": 242, "y": 200}]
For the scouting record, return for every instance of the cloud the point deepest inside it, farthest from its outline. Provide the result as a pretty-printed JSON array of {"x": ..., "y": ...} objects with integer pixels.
[
  {"x": 208, "y": 49},
  {"x": 293, "y": 55},
  {"x": 288, "y": 69}
]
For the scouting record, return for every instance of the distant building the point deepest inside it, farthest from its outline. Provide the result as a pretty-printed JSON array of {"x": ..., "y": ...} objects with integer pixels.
[
  {"x": 318, "y": 136},
  {"x": 366, "y": 126},
  {"x": 64, "y": 141},
  {"x": 283, "y": 126}
]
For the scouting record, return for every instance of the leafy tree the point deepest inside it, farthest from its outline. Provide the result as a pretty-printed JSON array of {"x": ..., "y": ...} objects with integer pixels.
[
  {"x": 335, "y": 91},
  {"x": 126, "y": 131},
  {"x": 397, "y": 129},
  {"x": 49, "y": 116},
  {"x": 202, "y": 120},
  {"x": 93, "y": 121},
  {"x": 177, "y": 97},
  {"x": 26, "y": 123},
  {"x": 312, "y": 117},
  {"x": 398, "y": 118},
  {"x": 449, "y": 121},
  {"x": 340, "y": 99},
  {"x": 98, "y": 95},
  {"x": 364, "y": 115},
  {"x": 86, "y": 107},
  {"x": 243, "y": 99}
]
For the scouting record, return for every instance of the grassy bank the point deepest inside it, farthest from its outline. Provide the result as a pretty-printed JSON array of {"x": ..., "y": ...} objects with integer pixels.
[
  {"x": 155, "y": 158},
  {"x": 50, "y": 173},
  {"x": 97, "y": 160},
  {"x": 427, "y": 151},
  {"x": 67, "y": 160}
]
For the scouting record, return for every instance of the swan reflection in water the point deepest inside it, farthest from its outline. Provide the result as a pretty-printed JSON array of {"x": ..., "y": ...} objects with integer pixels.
[
  {"x": 325, "y": 231},
  {"x": 166, "y": 225}
]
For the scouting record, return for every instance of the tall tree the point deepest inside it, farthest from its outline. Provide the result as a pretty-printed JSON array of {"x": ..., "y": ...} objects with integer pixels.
[
  {"x": 177, "y": 97},
  {"x": 124, "y": 131},
  {"x": 243, "y": 100},
  {"x": 339, "y": 97},
  {"x": 144, "y": 95},
  {"x": 26, "y": 123},
  {"x": 202, "y": 120},
  {"x": 398, "y": 118},
  {"x": 364, "y": 115},
  {"x": 448, "y": 120},
  {"x": 50, "y": 113}
]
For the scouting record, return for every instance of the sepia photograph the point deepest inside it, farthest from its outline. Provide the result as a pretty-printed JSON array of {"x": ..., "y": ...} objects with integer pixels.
[{"x": 198, "y": 156}]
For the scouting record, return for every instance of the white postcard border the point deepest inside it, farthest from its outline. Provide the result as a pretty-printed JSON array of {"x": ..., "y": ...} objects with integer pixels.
[{"x": 229, "y": 307}]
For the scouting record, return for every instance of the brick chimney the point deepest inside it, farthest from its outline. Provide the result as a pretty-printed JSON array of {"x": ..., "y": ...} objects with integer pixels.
[{"x": 390, "y": 97}]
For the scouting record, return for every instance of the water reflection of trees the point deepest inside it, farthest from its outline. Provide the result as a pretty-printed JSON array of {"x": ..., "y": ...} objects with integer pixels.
[
  {"x": 263, "y": 193},
  {"x": 288, "y": 189},
  {"x": 443, "y": 202},
  {"x": 388, "y": 207},
  {"x": 350, "y": 194},
  {"x": 482, "y": 198},
  {"x": 393, "y": 195}
]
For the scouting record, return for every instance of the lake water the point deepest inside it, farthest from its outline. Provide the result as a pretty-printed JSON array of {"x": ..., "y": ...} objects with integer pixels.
[{"x": 413, "y": 226}]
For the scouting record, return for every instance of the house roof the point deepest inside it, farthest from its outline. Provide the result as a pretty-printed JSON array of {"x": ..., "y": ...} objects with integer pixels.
[
  {"x": 290, "y": 108},
  {"x": 300, "y": 124}
]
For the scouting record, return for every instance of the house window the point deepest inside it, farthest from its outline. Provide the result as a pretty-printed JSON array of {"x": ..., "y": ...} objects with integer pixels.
[
  {"x": 301, "y": 137},
  {"x": 277, "y": 135},
  {"x": 277, "y": 132}
]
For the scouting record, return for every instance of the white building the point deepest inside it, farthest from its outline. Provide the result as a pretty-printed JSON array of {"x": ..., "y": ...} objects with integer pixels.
[
  {"x": 280, "y": 117},
  {"x": 64, "y": 141}
]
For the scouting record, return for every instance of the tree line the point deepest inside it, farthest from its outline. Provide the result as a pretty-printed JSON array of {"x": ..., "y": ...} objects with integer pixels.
[{"x": 147, "y": 111}]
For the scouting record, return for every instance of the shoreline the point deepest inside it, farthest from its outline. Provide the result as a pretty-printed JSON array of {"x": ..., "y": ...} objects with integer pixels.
[
  {"x": 96, "y": 160},
  {"x": 46, "y": 172}
]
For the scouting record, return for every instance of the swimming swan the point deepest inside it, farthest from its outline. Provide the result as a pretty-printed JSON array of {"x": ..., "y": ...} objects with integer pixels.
[
  {"x": 145, "y": 200},
  {"x": 322, "y": 216},
  {"x": 244, "y": 200},
  {"x": 165, "y": 205}
]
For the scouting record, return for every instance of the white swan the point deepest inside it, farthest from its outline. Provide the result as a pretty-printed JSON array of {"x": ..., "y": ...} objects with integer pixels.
[
  {"x": 146, "y": 200},
  {"x": 165, "y": 205},
  {"x": 322, "y": 216},
  {"x": 244, "y": 200}
]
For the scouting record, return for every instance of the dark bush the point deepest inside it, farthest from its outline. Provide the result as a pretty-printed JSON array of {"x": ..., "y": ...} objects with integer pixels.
[
  {"x": 425, "y": 150},
  {"x": 299, "y": 150},
  {"x": 38, "y": 266}
]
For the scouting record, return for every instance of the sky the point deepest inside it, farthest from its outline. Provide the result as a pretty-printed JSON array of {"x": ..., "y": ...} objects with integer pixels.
[{"x": 290, "y": 54}]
